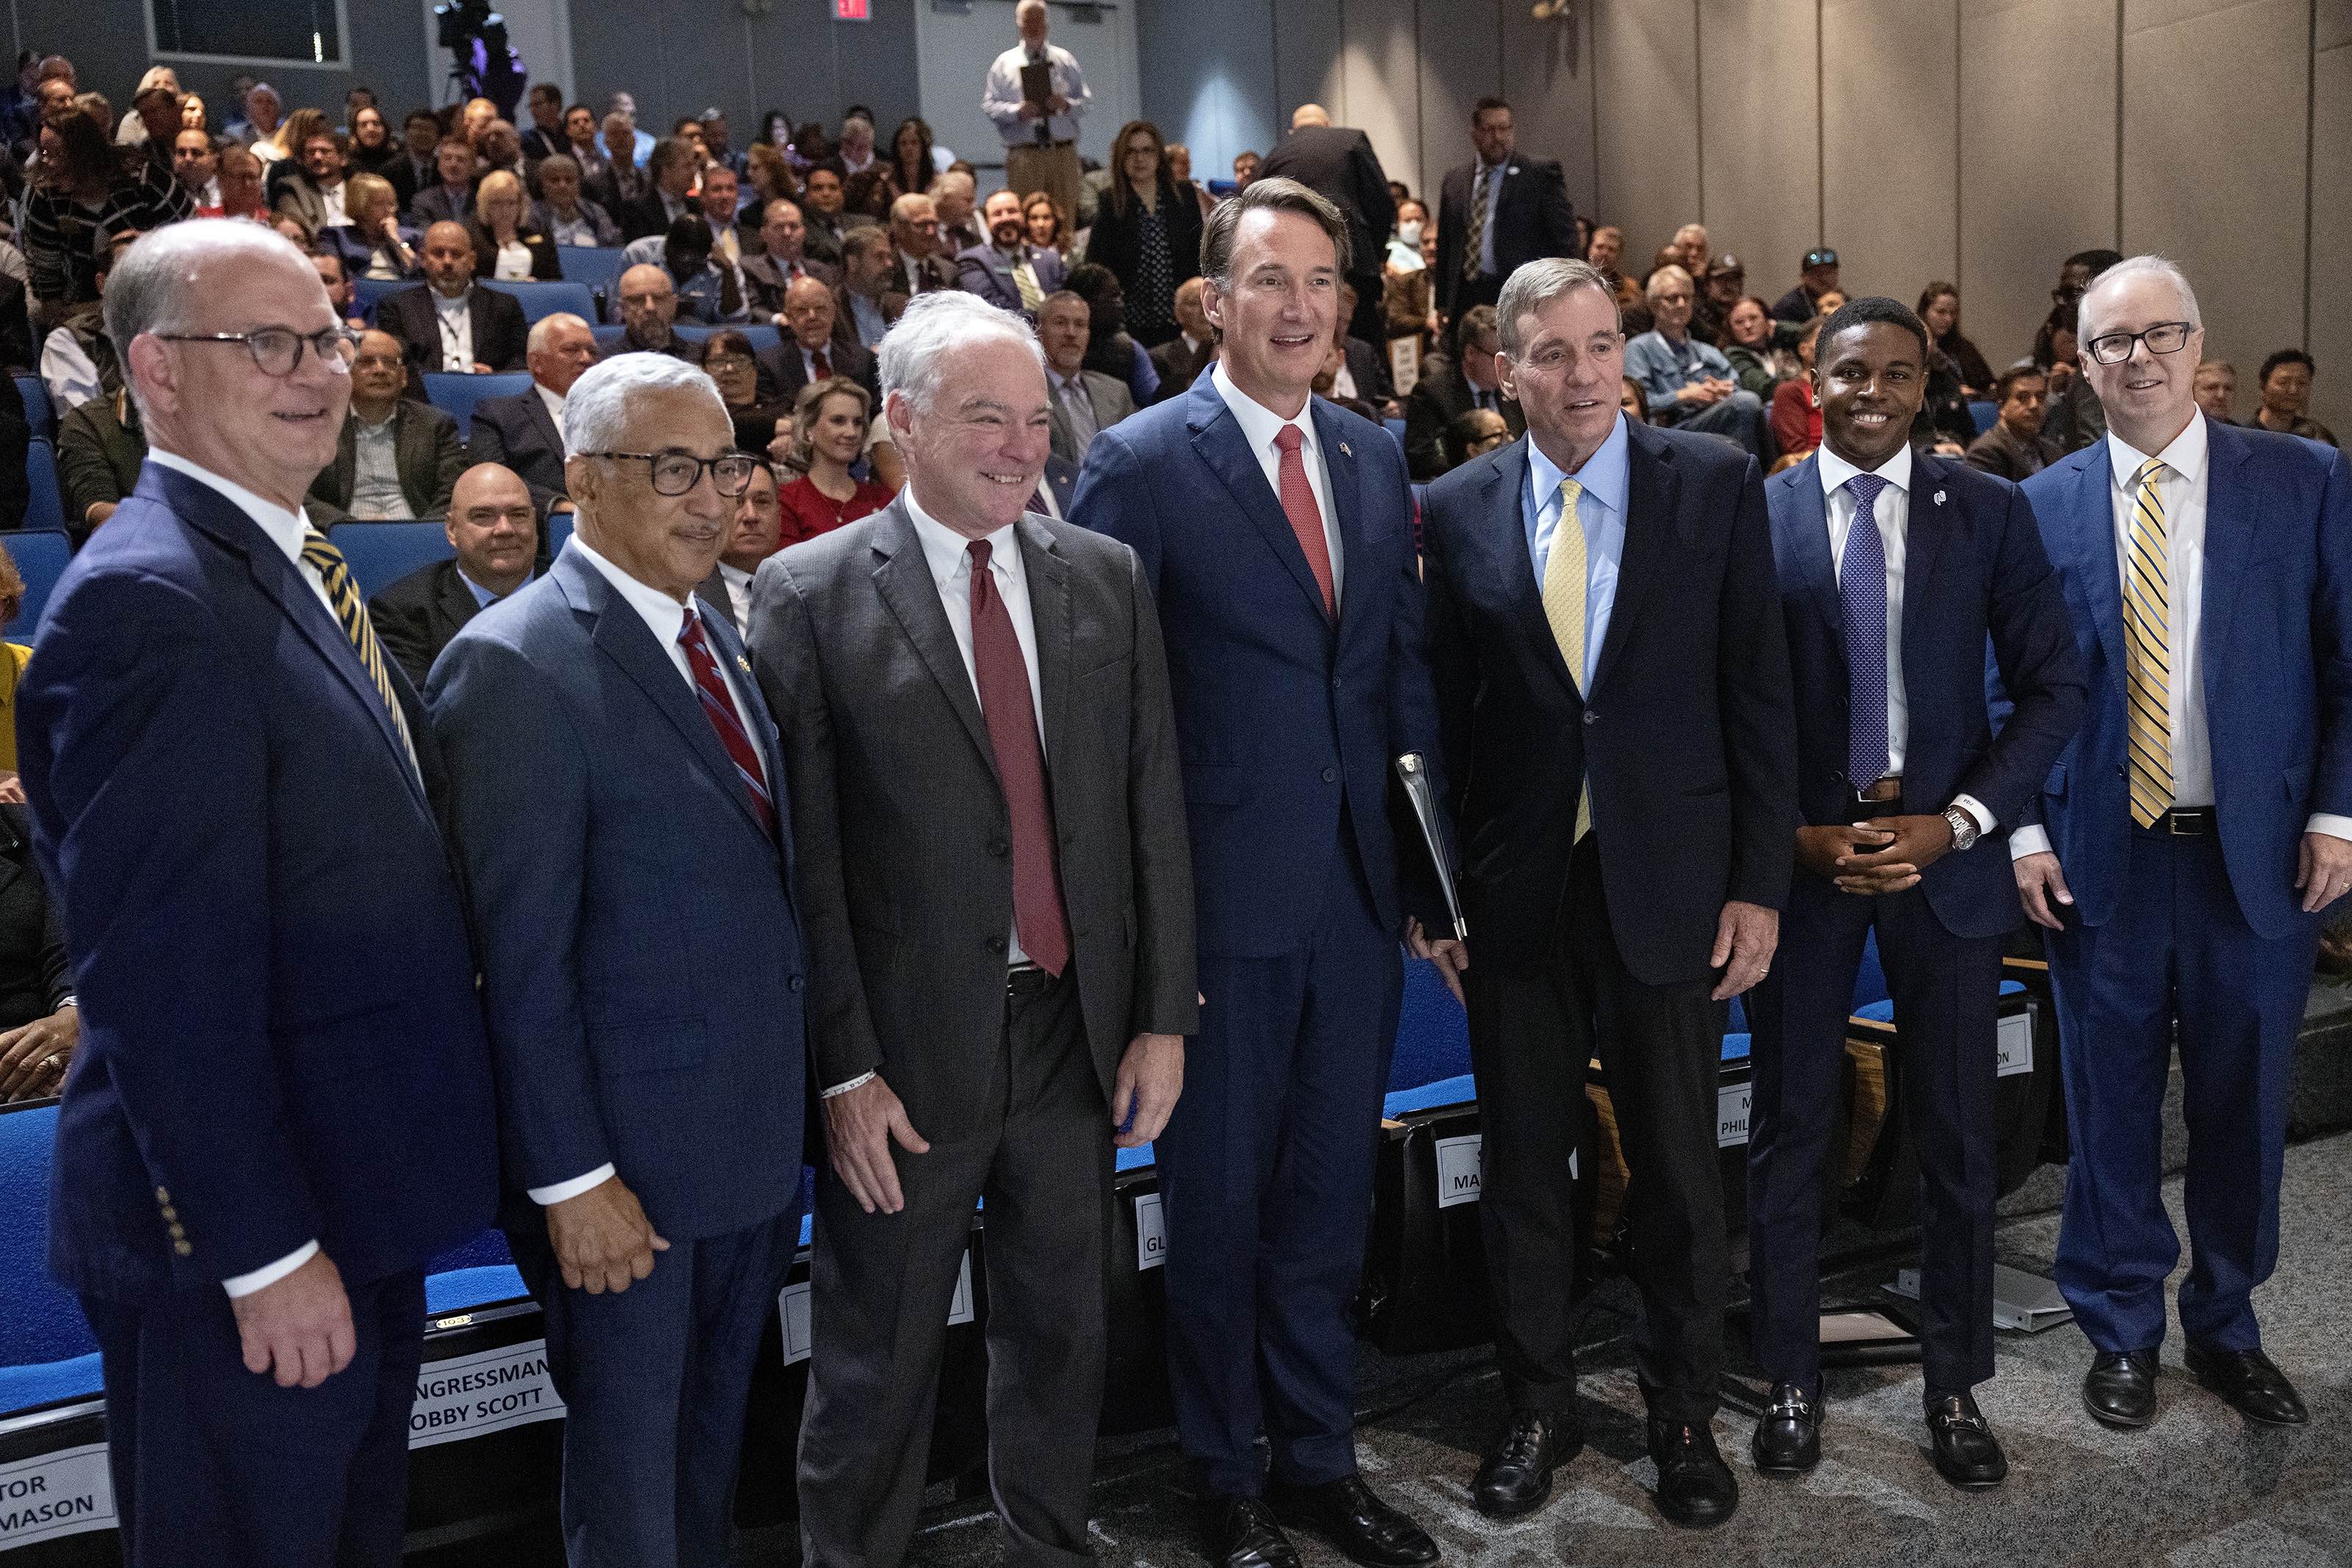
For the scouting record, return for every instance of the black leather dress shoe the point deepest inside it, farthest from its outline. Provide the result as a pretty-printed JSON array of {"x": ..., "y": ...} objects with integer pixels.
[
  {"x": 1788, "y": 1440},
  {"x": 2120, "y": 1387},
  {"x": 1696, "y": 1489},
  {"x": 1364, "y": 1528},
  {"x": 1516, "y": 1475},
  {"x": 2251, "y": 1384},
  {"x": 1243, "y": 1534},
  {"x": 1966, "y": 1453}
]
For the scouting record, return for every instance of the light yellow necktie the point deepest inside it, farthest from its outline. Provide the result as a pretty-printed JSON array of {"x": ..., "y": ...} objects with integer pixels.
[
  {"x": 1563, "y": 601},
  {"x": 1024, "y": 279},
  {"x": 2148, "y": 624}
]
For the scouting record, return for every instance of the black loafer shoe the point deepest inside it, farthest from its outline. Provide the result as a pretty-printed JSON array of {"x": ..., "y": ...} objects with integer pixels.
[
  {"x": 1516, "y": 1475},
  {"x": 1966, "y": 1453},
  {"x": 1364, "y": 1528},
  {"x": 1696, "y": 1489},
  {"x": 2120, "y": 1387},
  {"x": 1788, "y": 1440},
  {"x": 1243, "y": 1534},
  {"x": 2251, "y": 1384}
]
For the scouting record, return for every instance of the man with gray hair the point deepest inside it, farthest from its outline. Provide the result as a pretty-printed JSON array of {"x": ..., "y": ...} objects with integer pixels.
[
  {"x": 641, "y": 960},
  {"x": 990, "y": 817},
  {"x": 279, "y": 1111},
  {"x": 2189, "y": 838},
  {"x": 1689, "y": 383}
]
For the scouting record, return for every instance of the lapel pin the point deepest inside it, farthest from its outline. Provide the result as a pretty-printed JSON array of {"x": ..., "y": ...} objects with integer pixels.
[
  {"x": 742, "y": 663},
  {"x": 1343, "y": 450},
  {"x": 1939, "y": 498}
]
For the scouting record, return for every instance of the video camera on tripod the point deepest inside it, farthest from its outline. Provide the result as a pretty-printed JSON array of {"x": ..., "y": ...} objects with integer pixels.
[{"x": 486, "y": 65}]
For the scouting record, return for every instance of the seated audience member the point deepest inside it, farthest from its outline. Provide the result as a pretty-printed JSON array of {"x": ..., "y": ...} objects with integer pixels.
[
  {"x": 294, "y": 135},
  {"x": 869, "y": 194},
  {"x": 1147, "y": 231},
  {"x": 77, "y": 359},
  {"x": 2217, "y": 390},
  {"x": 564, "y": 215},
  {"x": 753, "y": 537},
  {"x": 196, "y": 166},
  {"x": 1944, "y": 424},
  {"x": 1722, "y": 286},
  {"x": 1008, "y": 271},
  {"x": 1246, "y": 168},
  {"x": 668, "y": 194},
  {"x": 418, "y": 166},
  {"x": 868, "y": 303},
  {"x": 1363, "y": 374},
  {"x": 780, "y": 261},
  {"x": 1760, "y": 351},
  {"x": 1408, "y": 284},
  {"x": 494, "y": 527},
  {"x": 648, "y": 310},
  {"x": 39, "y": 1025},
  {"x": 398, "y": 457},
  {"x": 446, "y": 323},
  {"x": 508, "y": 245},
  {"x": 376, "y": 243},
  {"x": 298, "y": 233},
  {"x": 1688, "y": 383},
  {"x": 707, "y": 292},
  {"x": 1606, "y": 251},
  {"x": 1817, "y": 276},
  {"x": 1633, "y": 400},
  {"x": 499, "y": 147},
  {"x": 544, "y": 138},
  {"x": 826, "y": 209},
  {"x": 524, "y": 432},
  {"x": 81, "y": 197},
  {"x": 2013, "y": 448},
  {"x": 909, "y": 162},
  {"x": 1180, "y": 359},
  {"x": 318, "y": 192},
  {"x": 717, "y": 203},
  {"x": 373, "y": 150},
  {"x": 239, "y": 176},
  {"x": 1451, "y": 386},
  {"x": 2284, "y": 382},
  {"x": 616, "y": 179},
  {"x": 1939, "y": 309},
  {"x": 1796, "y": 407},
  {"x": 1474, "y": 434},
  {"x": 768, "y": 177},
  {"x": 812, "y": 349},
  {"x": 918, "y": 266},
  {"x": 1086, "y": 401},
  {"x": 338, "y": 283},
  {"x": 828, "y": 433},
  {"x": 1326, "y": 384},
  {"x": 728, "y": 359},
  {"x": 451, "y": 199},
  {"x": 100, "y": 448},
  {"x": 1049, "y": 226},
  {"x": 954, "y": 196},
  {"x": 1110, "y": 347}
]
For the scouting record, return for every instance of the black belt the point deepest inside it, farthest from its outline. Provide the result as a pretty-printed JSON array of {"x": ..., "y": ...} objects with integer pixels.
[
  {"x": 1027, "y": 976},
  {"x": 2183, "y": 822}
]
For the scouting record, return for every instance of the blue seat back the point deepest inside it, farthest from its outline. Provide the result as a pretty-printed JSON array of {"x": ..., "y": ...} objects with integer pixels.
[
  {"x": 1432, "y": 1038},
  {"x": 559, "y": 528},
  {"x": 541, "y": 300},
  {"x": 457, "y": 395},
  {"x": 45, "y": 505},
  {"x": 367, "y": 293},
  {"x": 40, "y": 554},
  {"x": 609, "y": 338},
  {"x": 39, "y": 1320},
  {"x": 1984, "y": 414},
  {"x": 381, "y": 554},
  {"x": 591, "y": 266},
  {"x": 1870, "y": 980},
  {"x": 40, "y": 413},
  {"x": 761, "y": 337}
]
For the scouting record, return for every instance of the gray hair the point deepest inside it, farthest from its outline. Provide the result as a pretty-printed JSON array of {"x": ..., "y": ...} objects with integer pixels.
[
  {"x": 151, "y": 286},
  {"x": 545, "y": 328},
  {"x": 1536, "y": 285},
  {"x": 1663, "y": 275},
  {"x": 2130, "y": 267},
  {"x": 936, "y": 327},
  {"x": 596, "y": 410}
]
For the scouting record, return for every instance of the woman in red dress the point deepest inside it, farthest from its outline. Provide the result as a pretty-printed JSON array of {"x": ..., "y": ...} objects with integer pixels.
[{"x": 829, "y": 433}]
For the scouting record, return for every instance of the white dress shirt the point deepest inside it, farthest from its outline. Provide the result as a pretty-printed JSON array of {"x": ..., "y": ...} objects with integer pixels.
[
  {"x": 739, "y": 591},
  {"x": 1000, "y": 100},
  {"x": 457, "y": 318},
  {"x": 331, "y": 198},
  {"x": 1260, "y": 425},
  {"x": 2183, "y": 488},
  {"x": 67, "y": 371},
  {"x": 664, "y": 617}
]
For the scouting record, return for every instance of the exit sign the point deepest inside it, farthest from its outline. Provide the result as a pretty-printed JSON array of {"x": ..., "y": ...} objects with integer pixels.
[{"x": 852, "y": 11}]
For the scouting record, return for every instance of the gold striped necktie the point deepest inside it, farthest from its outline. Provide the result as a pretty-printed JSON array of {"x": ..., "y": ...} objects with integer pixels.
[
  {"x": 1565, "y": 571},
  {"x": 344, "y": 594},
  {"x": 2147, "y": 626}
]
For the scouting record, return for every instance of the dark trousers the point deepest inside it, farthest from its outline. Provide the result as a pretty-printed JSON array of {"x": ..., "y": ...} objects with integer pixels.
[
  {"x": 2176, "y": 952},
  {"x": 1662, "y": 1047},
  {"x": 654, "y": 1380},
  {"x": 1265, "y": 1182},
  {"x": 881, "y": 1283},
  {"x": 1947, "y": 992},
  {"x": 214, "y": 1464}
]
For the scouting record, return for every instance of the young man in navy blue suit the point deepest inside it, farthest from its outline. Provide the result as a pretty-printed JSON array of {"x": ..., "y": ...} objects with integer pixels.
[
  {"x": 1893, "y": 567},
  {"x": 1276, "y": 532},
  {"x": 2185, "y": 844}
]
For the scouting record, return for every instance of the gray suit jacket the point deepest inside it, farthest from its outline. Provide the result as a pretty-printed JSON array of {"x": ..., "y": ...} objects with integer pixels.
[
  {"x": 1112, "y": 403},
  {"x": 900, "y": 827}
]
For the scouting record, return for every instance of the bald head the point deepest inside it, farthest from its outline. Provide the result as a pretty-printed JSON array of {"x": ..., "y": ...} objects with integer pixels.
[
  {"x": 449, "y": 255},
  {"x": 808, "y": 311},
  {"x": 648, "y": 304},
  {"x": 493, "y": 526},
  {"x": 1310, "y": 114}
]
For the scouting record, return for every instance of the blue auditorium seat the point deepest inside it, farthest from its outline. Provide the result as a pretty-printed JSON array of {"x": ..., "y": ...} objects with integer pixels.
[
  {"x": 1433, "y": 1037},
  {"x": 1883, "y": 1011},
  {"x": 761, "y": 337},
  {"x": 1457, "y": 1091},
  {"x": 45, "y": 505},
  {"x": 463, "y": 1290},
  {"x": 381, "y": 554},
  {"x": 45, "y": 1349},
  {"x": 1984, "y": 414},
  {"x": 457, "y": 395},
  {"x": 541, "y": 300},
  {"x": 40, "y": 413},
  {"x": 559, "y": 528},
  {"x": 591, "y": 266},
  {"x": 608, "y": 339},
  {"x": 367, "y": 293},
  {"x": 40, "y": 556}
]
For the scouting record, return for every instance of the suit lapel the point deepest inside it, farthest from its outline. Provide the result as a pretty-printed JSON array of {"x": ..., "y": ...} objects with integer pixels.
[
  {"x": 1053, "y": 626},
  {"x": 1217, "y": 438},
  {"x": 2094, "y": 544},
  {"x": 2229, "y": 536},
  {"x": 1504, "y": 534},
  {"x": 905, "y": 582},
  {"x": 458, "y": 604},
  {"x": 1652, "y": 492},
  {"x": 1339, "y": 470},
  {"x": 1803, "y": 547},
  {"x": 542, "y": 416},
  {"x": 1927, "y": 531}
]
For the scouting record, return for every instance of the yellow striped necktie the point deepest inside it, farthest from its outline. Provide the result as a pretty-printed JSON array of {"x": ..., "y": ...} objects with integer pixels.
[
  {"x": 1565, "y": 570},
  {"x": 344, "y": 594},
  {"x": 2147, "y": 654},
  {"x": 1024, "y": 279}
]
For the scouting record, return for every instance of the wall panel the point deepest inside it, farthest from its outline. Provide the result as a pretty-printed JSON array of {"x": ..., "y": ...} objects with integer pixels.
[
  {"x": 1760, "y": 145},
  {"x": 1548, "y": 76},
  {"x": 1646, "y": 60},
  {"x": 1890, "y": 142},
  {"x": 2331, "y": 218}
]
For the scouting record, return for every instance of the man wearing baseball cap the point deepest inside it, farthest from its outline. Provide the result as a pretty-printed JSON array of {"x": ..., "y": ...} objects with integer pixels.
[{"x": 1820, "y": 275}]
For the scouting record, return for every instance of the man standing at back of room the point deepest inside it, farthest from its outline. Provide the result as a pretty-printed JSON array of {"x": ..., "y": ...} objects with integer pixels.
[
  {"x": 1041, "y": 139},
  {"x": 1337, "y": 163},
  {"x": 1497, "y": 212}
]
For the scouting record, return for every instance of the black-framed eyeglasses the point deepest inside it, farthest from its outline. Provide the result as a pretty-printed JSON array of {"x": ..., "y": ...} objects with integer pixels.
[
  {"x": 278, "y": 350},
  {"x": 677, "y": 472},
  {"x": 2164, "y": 337}
]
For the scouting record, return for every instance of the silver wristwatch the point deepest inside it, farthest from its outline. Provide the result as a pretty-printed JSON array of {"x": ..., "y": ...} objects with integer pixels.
[{"x": 1964, "y": 831}]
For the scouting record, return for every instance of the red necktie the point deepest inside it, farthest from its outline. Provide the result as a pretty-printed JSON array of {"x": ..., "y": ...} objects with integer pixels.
[
  {"x": 1299, "y": 505},
  {"x": 1002, "y": 676},
  {"x": 719, "y": 707},
  {"x": 817, "y": 363}
]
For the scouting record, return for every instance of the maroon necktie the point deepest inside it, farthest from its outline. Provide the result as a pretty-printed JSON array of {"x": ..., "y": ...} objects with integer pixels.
[
  {"x": 1002, "y": 676},
  {"x": 817, "y": 364},
  {"x": 719, "y": 707},
  {"x": 1306, "y": 522}
]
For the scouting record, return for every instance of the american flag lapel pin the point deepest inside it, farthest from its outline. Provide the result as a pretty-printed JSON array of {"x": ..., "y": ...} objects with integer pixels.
[{"x": 744, "y": 664}]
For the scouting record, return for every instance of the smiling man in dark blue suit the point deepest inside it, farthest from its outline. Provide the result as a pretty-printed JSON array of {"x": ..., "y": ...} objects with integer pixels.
[
  {"x": 642, "y": 963},
  {"x": 1894, "y": 567},
  {"x": 2185, "y": 842},
  {"x": 280, "y": 1110},
  {"x": 1276, "y": 532}
]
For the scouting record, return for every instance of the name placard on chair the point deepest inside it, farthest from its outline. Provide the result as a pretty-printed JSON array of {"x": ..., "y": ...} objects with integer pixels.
[{"x": 54, "y": 1495}]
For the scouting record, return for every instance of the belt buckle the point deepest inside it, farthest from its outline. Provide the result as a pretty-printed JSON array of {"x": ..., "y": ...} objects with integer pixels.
[{"x": 2183, "y": 825}]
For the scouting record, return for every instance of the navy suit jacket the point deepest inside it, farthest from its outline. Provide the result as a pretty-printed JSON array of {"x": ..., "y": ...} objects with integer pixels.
[
  {"x": 1684, "y": 739},
  {"x": 642, "y": 960},
  {"x": 2277, "y": 651},
  {"x": 519, "y": 432},
  {"x": 1973, "y": 568},
  {"x": 280, "y": 1040},
  {"x": 982, "y": 271},
  {"x": 1287, "y": 725}
]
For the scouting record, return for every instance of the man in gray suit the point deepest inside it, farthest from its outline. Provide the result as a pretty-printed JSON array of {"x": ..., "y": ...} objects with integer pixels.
[
  {"x": 397, "y": 458},
  {"x": 989, "y": 816},
  {"x": 1085, "y": 402}
]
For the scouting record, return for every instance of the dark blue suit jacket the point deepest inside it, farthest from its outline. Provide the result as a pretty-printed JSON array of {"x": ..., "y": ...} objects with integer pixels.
[
  {"x": 1287, "y": 725},
  {"x": 982, "y": 271},
  {"x": 1685, "y": 738},
  {"x": 642, "y": 960},
  {"x": 281, "y": 1039},
  {"x": 2277, "y": 647},
  {"x": 1973, "y": 568}
]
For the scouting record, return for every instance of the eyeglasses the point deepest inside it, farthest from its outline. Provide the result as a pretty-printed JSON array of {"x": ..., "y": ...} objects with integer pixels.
[
  {"x": 278, "y": 350},
  {"x": 728, "y": 362},
  {"x": 677, "y": 472},
  {"x": 2164, "y": 337}
]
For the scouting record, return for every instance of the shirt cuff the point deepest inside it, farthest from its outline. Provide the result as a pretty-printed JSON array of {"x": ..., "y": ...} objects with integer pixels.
[
  {"x": 2334, "y": 827},
  {"x": 860, "y": 1081},
  {"x": 2031, "y": 840},
  {"x": 546, "y": 1196},
  {"x": 270, "y": 1273},
  {"x": 1976, "y": 807}
]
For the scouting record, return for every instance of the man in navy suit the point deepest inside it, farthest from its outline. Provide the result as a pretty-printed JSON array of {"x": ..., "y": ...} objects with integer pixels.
[
  {"x": 642, "y": 963},
  {"x": 2187, "y": 839},
  {"x": 1512, "y": 210},
  {"x": 280, "y": 1108},
  {"x": 1615, "y": 696},
  {"x": 525, "y": 431},
  {"x": 994, "y": 270},
  {"x": 1894, "y": 567},
  {"x": 1275, "y": 530}
]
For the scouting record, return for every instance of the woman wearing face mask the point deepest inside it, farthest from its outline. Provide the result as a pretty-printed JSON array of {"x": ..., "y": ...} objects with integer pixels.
[{"x": 1409, "y": 296}]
